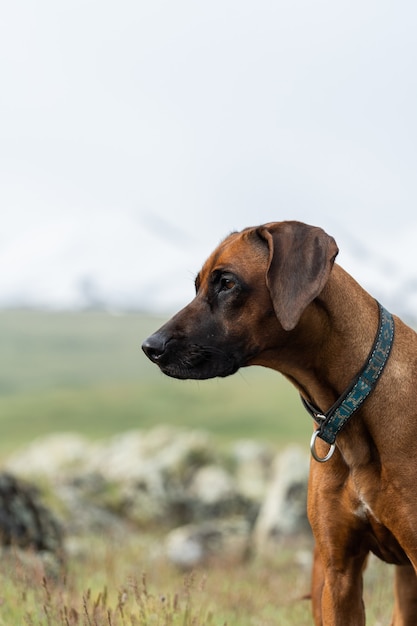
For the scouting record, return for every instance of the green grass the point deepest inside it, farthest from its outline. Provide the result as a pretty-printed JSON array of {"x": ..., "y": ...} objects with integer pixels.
[
  {"x": 112, "y": 587},
  {"x": 42, "y": 350},
  {"x": 125, "y": 583},
  {"x": 86, "y": 372}
]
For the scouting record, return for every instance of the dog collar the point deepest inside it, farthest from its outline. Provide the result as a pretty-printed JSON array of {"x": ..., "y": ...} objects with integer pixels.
[{"x": 331, "y": 423}]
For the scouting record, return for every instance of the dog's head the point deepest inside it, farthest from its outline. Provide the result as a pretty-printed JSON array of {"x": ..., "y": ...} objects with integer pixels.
[{"x": 250, "y": 293}]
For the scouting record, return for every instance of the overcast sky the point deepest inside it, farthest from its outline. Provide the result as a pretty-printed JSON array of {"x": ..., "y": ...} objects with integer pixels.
[{"x": 134, "y": 135}]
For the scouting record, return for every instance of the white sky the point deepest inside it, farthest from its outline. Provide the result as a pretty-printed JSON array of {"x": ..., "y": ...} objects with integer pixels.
[{"x": 134, "y": 135}]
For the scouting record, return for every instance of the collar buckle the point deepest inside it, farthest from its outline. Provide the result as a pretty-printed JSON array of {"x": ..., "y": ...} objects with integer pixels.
[{"x": 314, "y": 454}]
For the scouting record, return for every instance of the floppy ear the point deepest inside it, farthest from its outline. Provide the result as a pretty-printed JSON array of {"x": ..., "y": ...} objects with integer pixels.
[{"x": 300, "y": 261}]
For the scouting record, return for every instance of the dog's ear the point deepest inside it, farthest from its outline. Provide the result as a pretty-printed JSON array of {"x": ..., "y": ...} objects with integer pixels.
[{"x": 300, "y": 261}]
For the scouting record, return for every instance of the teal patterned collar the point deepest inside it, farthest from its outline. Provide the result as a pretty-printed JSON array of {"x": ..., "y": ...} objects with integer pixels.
[{"x": 331, "y": 423}]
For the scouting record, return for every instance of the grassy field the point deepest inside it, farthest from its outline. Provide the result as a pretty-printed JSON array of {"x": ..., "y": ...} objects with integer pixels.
[
  {"x": 85, "y": 372},
  {"x": 120, "y": 583}
]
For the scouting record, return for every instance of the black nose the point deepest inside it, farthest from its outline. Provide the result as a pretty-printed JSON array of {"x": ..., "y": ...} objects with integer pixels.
[{"x": 154, "y": 347}]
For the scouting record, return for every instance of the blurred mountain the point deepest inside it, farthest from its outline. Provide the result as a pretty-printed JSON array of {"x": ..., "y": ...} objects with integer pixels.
[
  {"x": 104, "y": 260},
  {"x": 386, "y": 267},
  {"x": 123, "y": 263}
]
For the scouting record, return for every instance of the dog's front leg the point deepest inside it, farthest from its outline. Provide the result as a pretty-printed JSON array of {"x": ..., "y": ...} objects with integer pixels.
[
  {"x": 405, "y": 607},
  {"x": 340, "y": 555},
  {"x": 337, "y": 590},
  {"x": 317, "y": 584}
]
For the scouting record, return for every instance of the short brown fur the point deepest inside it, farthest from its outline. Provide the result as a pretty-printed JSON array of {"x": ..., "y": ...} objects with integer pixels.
[{"x": 272, "y": 296}]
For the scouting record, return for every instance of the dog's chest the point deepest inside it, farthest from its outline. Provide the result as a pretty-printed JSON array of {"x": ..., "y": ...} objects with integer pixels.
[
  {"x": 364, "y": 512},
  {"x": 381, "y": 540}
]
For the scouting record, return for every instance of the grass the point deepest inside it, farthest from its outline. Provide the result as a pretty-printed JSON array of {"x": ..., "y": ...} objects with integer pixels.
[
  {"x": 126, "y": 583},
  {"x": 110, "y": 587},
  {"x": 85, "y": 372}
]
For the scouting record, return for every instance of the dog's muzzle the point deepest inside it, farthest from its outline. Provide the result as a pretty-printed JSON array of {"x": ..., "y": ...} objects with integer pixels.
[{"x": 182, "y": 358}]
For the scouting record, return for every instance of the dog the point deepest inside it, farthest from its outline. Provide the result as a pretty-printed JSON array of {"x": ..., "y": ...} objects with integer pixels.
[{"x": 273, "y": 296}]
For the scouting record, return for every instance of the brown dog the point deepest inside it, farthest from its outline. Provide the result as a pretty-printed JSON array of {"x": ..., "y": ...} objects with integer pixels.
[{"x": 273, "y": 296}]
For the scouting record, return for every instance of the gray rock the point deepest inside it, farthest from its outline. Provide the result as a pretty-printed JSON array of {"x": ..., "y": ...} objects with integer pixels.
[
  {"x": 50, "y": 456},
  {"x": 161, "y": 454},
  {"x": 169, "y": 477},
  {"x": 226, "y": 541},
  {"x": 149, "y": 473},
  {"x": 26, "y": 523},
  {"x": 283, "y": 512},
  {"x": 252, "y": 462},
  {"x": 212, "y": 485}
]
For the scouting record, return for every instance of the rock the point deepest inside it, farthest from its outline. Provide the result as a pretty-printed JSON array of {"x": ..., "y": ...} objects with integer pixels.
[
  {"x": 226, "y": 541},
  {"x": 283, "y": 512},
  {"x": 27, "y": 524},
  {"x": 212, "y": 494},
  {"x": 252, "y": 463},
  {"x": 84, "y": 509},
  {"x": 164, "y": 453},
  {"x": 141, "y": 476},
  {"x": 50, "y": 456},
  {"x": 168, "y": 477},
  {"x": 148, "y": 473},
  {"x": 212, "y": 485}
]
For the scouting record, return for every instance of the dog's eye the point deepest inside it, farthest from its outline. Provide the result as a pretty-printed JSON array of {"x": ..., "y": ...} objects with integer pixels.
[
  {"x": 223, "y": 281},
  {"x": 226, "y": 283}
]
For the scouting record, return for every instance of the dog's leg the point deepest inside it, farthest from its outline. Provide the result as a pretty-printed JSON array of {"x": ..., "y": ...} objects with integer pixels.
[
  {"x": 405, "y": 608},
  {"x": 337, "y": 577},
  {"x": 340, "y": 553},
  {"x": 341, "y": 597},
  {"x": 317, "y": 587},
  {"x": 317, "y": 583}
]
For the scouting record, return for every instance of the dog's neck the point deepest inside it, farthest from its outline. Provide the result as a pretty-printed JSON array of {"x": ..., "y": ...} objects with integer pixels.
[{"x": 337, "y": 345}]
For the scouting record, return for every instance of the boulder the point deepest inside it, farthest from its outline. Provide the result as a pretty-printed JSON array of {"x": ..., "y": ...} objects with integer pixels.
[
  {"x": 169, "y": 477},
  {"x": 252, "y": 462},
  {"x": 284, "y": 512},
  {"x": 193, "y": 545},
  {"x": 149, "y": 473},
  {"x": 164, "y": 453},
  {"x": 50, "y": 456},
  {"x": 27, "y": 524}
]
